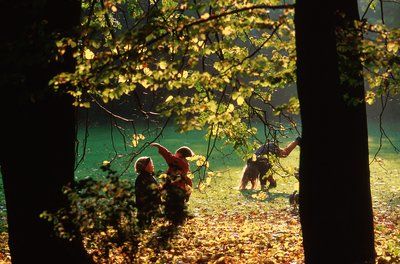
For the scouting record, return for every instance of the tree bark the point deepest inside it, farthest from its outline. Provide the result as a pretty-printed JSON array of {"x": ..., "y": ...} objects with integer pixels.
[
  {"x": 37, "y": 145},
  {"x": 335, "y": 198}
]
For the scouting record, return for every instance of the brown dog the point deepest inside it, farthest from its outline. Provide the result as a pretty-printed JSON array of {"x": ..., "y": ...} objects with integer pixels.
[{"x": 250, "y": 174}]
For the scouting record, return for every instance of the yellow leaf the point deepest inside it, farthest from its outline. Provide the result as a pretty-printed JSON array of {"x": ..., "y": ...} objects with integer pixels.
[
  {"x": 147, "y": 71},
  {"x": 235, "y": 95},
  {"x": 370, "y": 100},
  {"x": 370, "y": 97},
  {"x": 169, "y": 98},
  {"x": 393, "y": 47},
  {"x": 240, "y": 100},
  {"x": 88, "y": 54},
  {"x": 145, "y": 83},
  {"x": 163, "y": 65},
  {"x": 205, "y": 16},
  {"x": 227, "y": 31},
  {"x": 208, "y": 180},
  {"x": 162, "y": 176},
  {"x": 85, "y": 105},
  {"x": 121, "y": 79},
  {"x": 213, "y": 106},
  {"x": 230, "y": 108}
]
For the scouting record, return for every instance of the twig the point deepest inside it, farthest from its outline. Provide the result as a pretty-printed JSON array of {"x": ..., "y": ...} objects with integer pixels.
[
  {"x": 144, "y": 146},
  {"x": 111, "y": 113},
  {"x": 84, "y": 141},
  {"x": 366, "y": 9}
]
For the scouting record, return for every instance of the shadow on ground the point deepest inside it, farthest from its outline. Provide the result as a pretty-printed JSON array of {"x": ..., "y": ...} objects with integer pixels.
[
  {"x": 161, "y": 237},
  {"x": 263, "y": 196}
]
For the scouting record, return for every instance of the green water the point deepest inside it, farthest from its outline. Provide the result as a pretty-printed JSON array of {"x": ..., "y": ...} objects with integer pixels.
[{"x": 100, "y": 147}]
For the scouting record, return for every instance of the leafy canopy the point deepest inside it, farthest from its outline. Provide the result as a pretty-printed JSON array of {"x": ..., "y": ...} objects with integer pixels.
[{"x": 209, "y": 64}]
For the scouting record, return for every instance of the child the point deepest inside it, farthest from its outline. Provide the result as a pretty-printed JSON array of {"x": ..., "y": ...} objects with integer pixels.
[
  {"x": 148, "y": 198},
  {"x": 178, "y": 185}
]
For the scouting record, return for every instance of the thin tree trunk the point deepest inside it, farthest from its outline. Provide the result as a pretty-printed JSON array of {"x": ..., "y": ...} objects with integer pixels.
[
  {"x": 335, "y": 198},
  {"x": 38, "y": 137}
]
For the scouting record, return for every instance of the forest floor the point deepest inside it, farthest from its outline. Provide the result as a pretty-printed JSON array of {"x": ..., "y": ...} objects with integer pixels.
[{"x": 232, "y": 226}]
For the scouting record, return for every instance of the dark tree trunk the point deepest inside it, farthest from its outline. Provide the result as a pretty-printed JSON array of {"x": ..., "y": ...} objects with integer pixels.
[
  {"x": 38, "y": 131},
  {"x": 335, "y": 198},
  {"x": 38, "y": 162}
]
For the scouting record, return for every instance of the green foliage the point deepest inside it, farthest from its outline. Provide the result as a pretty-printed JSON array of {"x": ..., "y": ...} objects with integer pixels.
[
  {"x": 375, "y": 45},
  {"x": 217, "y": 63},
  {"x": 381, "y": 59},
  {"x": 103, "y": 213},
  {"x": 212, "y": 64}
]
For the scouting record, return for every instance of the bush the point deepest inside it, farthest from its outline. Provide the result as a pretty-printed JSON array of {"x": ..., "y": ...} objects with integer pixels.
[{"x": 103, "y": 214}]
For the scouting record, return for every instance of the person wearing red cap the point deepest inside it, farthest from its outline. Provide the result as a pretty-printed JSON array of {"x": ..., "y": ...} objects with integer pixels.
[{"x": 178, "y": 185}]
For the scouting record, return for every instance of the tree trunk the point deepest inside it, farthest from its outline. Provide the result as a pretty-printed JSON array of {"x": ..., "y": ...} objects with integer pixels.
[
  {"x": 37, "y": 145},
  {"x": 38, "y": 162},
  {"x": 335, "y": 198}
]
